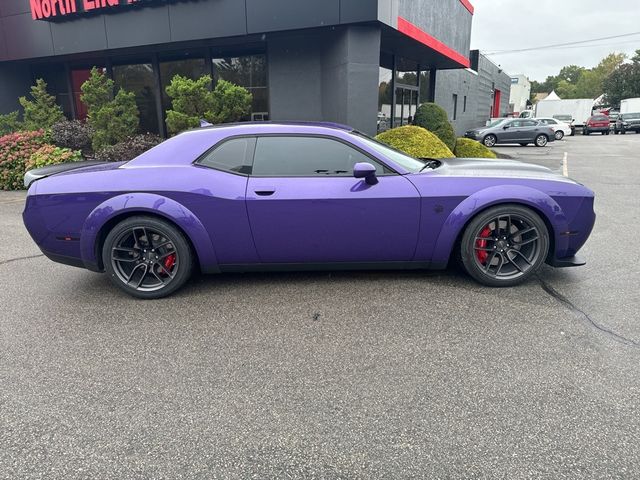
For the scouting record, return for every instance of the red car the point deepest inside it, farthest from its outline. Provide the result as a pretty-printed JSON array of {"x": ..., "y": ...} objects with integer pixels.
[{"x": 597, "y": 123}]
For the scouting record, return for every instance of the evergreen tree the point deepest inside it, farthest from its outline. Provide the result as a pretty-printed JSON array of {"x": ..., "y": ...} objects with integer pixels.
[{"x": 42, "y": 111}]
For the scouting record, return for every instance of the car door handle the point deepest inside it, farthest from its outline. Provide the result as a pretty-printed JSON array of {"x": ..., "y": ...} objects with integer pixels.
[{"x": 265, "y": 192}]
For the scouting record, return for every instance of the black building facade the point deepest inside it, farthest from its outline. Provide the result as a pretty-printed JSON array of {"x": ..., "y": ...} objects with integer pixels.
[{"x": 366, "y": 63}]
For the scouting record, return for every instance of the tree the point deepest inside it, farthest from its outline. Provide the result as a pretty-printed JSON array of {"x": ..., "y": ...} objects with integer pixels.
[
  {"x": 623, "y": 82},
  {"x": 112, "y": 118},
  {"x": 192, "y": 100},
  {"x": 570, "y": 73},
  {"x": 42, "y": 111}
]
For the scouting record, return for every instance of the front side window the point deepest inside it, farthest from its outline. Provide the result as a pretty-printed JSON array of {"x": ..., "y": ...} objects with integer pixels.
[
  {"x": 529, "y": 123},
  {"x": 233, "y": 156},
  {"x": 307, "y": 157}
]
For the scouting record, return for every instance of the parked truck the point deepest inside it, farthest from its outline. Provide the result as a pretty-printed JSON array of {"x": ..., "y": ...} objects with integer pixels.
[
  {"x": 572, "y": 111},
  {"x": 630, "y": 105}
]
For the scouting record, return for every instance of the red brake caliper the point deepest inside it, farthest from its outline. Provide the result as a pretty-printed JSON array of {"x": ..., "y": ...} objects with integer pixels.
[
  {"x": 483, "y": 254},
  {"x": 169, "y": 262}
]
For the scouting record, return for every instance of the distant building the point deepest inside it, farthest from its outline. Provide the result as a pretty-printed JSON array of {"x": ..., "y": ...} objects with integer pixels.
[
  {"x": 520, "y": 93},
  {"x": 474, "y": 95}
]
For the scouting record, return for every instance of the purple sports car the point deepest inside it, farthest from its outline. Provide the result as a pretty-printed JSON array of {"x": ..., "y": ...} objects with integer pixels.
[{"x": 301, "y": 196}]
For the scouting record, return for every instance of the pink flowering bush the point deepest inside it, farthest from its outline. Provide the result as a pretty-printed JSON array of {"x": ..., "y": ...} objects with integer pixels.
[{"x": 16, "y": 150}]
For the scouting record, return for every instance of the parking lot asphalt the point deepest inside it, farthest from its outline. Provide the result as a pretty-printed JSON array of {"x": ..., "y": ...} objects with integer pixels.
[{"x": 341, "y": 375}]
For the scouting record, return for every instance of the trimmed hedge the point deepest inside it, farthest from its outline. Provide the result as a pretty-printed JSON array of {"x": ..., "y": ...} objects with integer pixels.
[
  {"x": 415, "y": 141},
  {"x": 468, "y": 148},
  {"x": 435, "y": 119}
]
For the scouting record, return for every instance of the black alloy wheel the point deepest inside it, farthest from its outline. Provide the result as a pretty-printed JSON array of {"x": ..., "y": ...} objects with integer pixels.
[
  {"x": 147, "y": 257},
  {"x": 490, "y": 140},
  {"x": 504, "y": 246},
  {"x": 541, "y": 141}
]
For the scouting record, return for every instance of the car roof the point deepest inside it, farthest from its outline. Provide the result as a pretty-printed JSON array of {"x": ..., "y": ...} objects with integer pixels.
[{"x": 329, "y": 125}]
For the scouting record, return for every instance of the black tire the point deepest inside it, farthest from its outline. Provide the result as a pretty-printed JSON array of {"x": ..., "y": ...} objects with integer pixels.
[
  {"x": 623, "y": 131},
  {"x": 541, "y": 140},
  {"x": 585, "y": 132},
  {"x": 559, "y": 135},
  {"x": 517, "y": 258},
  {"x": 490, "y": 140},
  {"x": 616, "y": 132},
  {"x": 151, "y": 244}
]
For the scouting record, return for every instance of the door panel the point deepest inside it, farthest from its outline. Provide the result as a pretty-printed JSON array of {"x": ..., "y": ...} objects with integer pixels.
[{"x": 333, "y": 219}]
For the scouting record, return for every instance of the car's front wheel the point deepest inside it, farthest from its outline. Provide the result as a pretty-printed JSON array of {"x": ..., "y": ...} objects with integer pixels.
[
  {"x": 504, "y": 246},
  {"x": 490, "y": 141},
  {"x": 541, "y": 141},
  {"x": 147, "y": 257},
  {"x": 559, "y": 135}
]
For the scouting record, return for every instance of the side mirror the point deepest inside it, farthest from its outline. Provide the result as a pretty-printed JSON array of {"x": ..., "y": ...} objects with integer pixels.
[
  {"x": 506, "y": 126},
  {"x": 367, "y": 171}
]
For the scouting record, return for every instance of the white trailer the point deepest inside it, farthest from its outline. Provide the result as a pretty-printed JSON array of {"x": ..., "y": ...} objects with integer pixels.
[
  {"x": 579, "y": 108},
  {"x": 630, "y": 105}
]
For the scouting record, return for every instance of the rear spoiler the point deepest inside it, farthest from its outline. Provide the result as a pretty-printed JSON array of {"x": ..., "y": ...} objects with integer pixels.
[{"x": 38, "y": 173}]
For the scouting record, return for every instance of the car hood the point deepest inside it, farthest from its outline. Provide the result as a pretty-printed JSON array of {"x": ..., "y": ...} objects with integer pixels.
[{"x": 498, "y": 168}]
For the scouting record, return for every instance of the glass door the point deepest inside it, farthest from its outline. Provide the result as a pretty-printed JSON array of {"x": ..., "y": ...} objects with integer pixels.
[{"x": 406, "y": 105}]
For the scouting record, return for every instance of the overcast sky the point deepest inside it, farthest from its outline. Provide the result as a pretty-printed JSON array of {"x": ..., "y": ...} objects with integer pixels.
[{"x": 514, "y": 24}]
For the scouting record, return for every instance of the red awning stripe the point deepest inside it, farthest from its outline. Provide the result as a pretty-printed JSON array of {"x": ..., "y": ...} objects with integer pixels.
[
  {"x": 467, "y": 5},
  {"x": 411, "y": 30}
]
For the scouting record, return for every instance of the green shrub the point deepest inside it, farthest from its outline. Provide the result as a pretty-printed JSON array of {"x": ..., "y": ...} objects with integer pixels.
[
  {"x": 42, "y": 111},
  {"x": 112, "y": 118},
  {"x": 9, "y": 123},
  {"x": 73, "y": 134},
  {"x": 230, "y": 103},
  {"x": 129, "y": 148},
  {"x": 434, "y": 118},
  {"x": 468, "y": 148},
  {"x": 15, "y": 152},
  {"x": 192, "y": 100},
  {"x": 415, "y": 141},
  {"x": 51, "y": 155}
]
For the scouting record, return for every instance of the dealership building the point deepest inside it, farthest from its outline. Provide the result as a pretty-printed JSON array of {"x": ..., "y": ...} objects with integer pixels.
[{"x": 366, "y": 63}]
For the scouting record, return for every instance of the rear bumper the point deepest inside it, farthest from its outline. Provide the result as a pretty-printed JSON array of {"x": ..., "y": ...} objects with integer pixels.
[{"x": 71, "y": 261}]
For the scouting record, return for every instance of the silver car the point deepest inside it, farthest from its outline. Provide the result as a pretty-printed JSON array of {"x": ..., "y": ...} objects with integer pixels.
[{"x": 519, "y": 130}]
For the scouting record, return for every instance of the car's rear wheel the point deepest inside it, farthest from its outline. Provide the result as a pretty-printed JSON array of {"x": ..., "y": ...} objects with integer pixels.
[
  {"x": 147, "y": 257},
  {"x": 504, "y": 246},
  {"x": 541, "y": 140},
  {"x": 559, "y": 135},
  {"x": 490, "y": 141}
]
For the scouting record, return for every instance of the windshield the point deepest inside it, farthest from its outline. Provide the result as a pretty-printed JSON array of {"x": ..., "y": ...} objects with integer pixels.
[
  {"x": 495, "y": 123},
  {"x": 412, "y": 164},
  {"x": 630, "y": 116}
]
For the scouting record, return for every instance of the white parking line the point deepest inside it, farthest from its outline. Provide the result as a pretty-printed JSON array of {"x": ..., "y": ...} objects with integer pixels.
[{"x": 565, "y": 165}]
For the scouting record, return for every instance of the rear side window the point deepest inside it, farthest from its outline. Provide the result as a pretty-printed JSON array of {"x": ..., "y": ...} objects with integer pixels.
[
  {"x": 529, "y": 123},
  {"x": 233, "y": 156},
  {"x": 307, "y": 157},
  {"x": 549, "y": 121}
]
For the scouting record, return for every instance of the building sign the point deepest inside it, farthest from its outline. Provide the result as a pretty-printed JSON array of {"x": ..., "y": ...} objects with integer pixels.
[
  {"x": 514, "y": 80},
  {"x": 60, "y": 9}
]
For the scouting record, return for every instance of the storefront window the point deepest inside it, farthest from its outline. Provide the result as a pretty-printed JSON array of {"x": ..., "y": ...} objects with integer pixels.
[
  {"x": 140, "y": 80},
  {"x": 249, "y": 72},
  {"x": 406, "y": 72},
  {"x": 56, "y": 78},
  {"x": 384, "y": 99}
]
